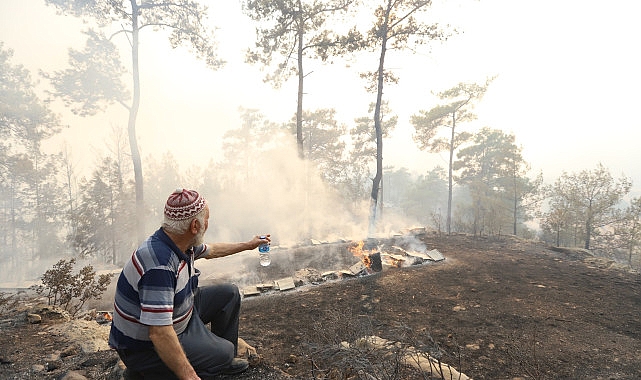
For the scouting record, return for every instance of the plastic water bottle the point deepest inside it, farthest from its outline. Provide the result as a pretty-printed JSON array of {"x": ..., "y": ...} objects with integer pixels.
[{"x": 263, "y": 253}]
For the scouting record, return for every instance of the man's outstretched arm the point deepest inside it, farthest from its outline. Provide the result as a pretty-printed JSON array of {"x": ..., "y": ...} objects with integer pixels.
[{"x": 215, "y": 250}]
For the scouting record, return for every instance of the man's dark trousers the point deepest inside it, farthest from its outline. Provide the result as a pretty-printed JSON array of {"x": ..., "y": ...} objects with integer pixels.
[{"x": 209, "y": 352}]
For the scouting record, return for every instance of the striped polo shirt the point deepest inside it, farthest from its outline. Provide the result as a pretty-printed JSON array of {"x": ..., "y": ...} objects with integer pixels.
[{"x": 155, "y": 288}]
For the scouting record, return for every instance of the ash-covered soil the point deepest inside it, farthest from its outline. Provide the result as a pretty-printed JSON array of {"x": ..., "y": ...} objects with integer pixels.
[{"x": 495, "y": 308}]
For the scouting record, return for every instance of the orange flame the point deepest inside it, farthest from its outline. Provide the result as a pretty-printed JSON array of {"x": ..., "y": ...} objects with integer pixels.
[
  {"x": 358, "y": 251},
  {"x": 357, "y": 248}
]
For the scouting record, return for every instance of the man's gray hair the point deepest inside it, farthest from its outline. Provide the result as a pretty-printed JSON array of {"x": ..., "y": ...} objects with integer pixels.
[{"x": 181, "y": 226}]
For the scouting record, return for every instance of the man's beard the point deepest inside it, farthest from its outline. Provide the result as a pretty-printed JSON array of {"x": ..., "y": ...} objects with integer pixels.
[{"x": 199, "y": 238}]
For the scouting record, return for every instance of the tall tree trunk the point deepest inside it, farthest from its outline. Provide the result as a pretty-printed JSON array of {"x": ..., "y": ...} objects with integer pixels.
[
  {"x": 516, "y": 203},
  {"x": 12, "y": 196},
  {"x": 37, "y": 233},
  {"x": 588, "y": 225},
  {"x": 633, "y": 240},
  {"x": 112, "y": 223},
  {"x": 588, "y": 229},
  {"x": 301, "y": 76},
  {"x": 5, "y": 225},
  {"x": 449, "y": 176},
  {"x": 131, "y": 127},
  {"x": 69, "y": 175},
  {"x": 515, "y": 214},
  {"x": 376, "y": 182}
]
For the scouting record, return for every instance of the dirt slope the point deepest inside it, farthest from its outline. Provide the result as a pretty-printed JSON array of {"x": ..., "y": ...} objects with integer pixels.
[
  {"x": 499, "y": 309},
  {"x": 494, "y": 309}
]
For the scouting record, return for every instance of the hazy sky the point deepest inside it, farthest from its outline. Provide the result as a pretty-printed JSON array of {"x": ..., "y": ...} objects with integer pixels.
[{"x": 567, "y": 82}]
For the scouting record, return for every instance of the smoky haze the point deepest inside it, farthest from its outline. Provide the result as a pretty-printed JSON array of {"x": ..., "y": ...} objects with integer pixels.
[
  {"x": 276, "y": 192},
  {"x": 565, "y": 91},
  {"x": 284, "y": 196}
]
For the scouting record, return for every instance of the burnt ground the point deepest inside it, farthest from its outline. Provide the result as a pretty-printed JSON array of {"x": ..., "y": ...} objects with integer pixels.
[{"x": 494, "y": 309}]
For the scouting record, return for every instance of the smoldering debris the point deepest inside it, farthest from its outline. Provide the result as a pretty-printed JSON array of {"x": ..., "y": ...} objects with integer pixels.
[{"x": 317, "y": 263}]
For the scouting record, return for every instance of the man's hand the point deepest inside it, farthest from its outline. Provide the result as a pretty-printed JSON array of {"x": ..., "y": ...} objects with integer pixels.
[
  {"x": 259, "y": 239},
  {"x": 171, "y": 352}
]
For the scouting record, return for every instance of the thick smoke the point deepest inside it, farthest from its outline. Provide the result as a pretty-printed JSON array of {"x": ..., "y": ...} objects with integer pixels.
[{"x": 284, "y": 196}]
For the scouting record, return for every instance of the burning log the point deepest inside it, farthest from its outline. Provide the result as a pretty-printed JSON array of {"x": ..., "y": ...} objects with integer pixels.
[
  {"x": 371, "y": 260},
  {"x": 375, "y": 262}
]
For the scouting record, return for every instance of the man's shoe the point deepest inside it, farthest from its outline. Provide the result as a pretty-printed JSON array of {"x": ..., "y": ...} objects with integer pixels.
[{"x": 237, "y": 365}]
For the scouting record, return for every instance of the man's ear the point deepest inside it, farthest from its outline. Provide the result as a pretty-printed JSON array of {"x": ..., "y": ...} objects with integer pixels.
[{"x": 194, "y": 226}]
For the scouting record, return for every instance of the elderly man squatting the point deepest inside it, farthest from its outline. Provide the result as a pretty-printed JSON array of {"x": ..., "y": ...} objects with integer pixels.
[{"x": 160, "y": 314}]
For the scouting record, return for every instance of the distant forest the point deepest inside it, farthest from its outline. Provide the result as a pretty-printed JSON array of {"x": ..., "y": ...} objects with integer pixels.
[{"x": 311, "y": 177}]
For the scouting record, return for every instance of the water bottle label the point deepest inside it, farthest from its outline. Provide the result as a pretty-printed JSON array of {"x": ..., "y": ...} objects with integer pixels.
[{"x": 263, "y": 247}]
